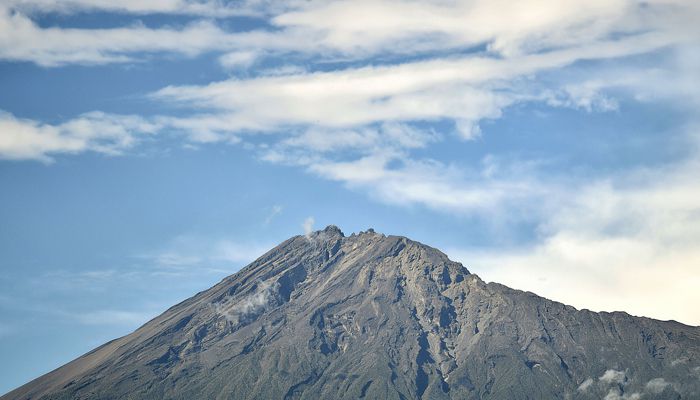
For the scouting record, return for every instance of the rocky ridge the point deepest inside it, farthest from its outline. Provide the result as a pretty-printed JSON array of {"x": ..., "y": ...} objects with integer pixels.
[{"x": 375, "y": 316}]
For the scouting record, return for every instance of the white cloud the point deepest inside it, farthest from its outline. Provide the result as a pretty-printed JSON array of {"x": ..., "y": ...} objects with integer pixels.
[
  {"x": 584, "y": 95},
  {"x": 194, "y": 251},
  {"x": 395, "y": 179},
  {"x": 31, "y": 302},
  {"x": 321, "y": 140},
  {"x": 95, "y": 131},
  {"x": 238, "y": 59},
  {"x": 311, "y": 145},
  {"x": 274, "y": 212},
  {"x": 632, "y": 239},
  {"x": 671, "y": 79},
  {"x": 177, "y": 259},
  {"x": 21, "y": 39},
  {"x": 330, "y": 30},
  {"x": 335, "y": 110},
  {"x": 234, "y": 252},
  {"x": 393, "y": 26},
  {"x": 465, "y": 89},
  {"x": 206, "y": 8}
]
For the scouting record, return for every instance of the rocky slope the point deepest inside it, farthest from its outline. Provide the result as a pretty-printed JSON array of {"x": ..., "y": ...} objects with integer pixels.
[{"x": 374, "y": 316}]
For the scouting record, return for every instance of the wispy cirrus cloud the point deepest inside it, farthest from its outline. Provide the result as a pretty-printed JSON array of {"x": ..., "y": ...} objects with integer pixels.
[
  {"x": 206, "y": 8},
  {"x": 274, "y": 212},
  {"x": 464, "y": 89},
  {"x": 410, "y": 26},
  {"x": 329, "y": 30},
  {"x": 338, "y": 108},
  {"x": 396, "y": 179},
  {"x": 21, "y": 39},
  {"x": 22, "y": 139},
  {"x": 126, "y": 296},
  {"x": 188, "y": 253}
]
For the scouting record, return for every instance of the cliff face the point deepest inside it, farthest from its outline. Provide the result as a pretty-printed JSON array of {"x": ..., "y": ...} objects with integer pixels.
[{"x": 371, "y": 316}]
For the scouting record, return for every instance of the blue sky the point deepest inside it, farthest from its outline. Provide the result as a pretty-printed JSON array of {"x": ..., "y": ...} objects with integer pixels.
[{"x": 149, "y": 149}]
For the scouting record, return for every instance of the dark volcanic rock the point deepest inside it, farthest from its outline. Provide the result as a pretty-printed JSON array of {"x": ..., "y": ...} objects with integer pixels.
[{"x": 374, "y": 316}]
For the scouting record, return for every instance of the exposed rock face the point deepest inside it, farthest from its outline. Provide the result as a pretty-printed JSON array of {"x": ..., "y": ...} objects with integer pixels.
[{"x": 369, "y": 316}]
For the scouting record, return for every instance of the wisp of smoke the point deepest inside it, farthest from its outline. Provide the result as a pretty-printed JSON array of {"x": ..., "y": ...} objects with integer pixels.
[
  {"x": 251, "y": 304},
  {"x": 308, "y": 226}
]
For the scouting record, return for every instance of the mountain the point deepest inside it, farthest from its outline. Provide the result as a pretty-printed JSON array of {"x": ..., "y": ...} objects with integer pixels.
[{"x": 324, "y": 316}]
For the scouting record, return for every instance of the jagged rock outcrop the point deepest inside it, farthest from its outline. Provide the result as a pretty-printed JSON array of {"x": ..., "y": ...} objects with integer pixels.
[{"x": 325, "y": 316}]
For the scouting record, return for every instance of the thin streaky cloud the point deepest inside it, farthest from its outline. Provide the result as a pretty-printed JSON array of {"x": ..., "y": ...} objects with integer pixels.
[{"x": 326, "y": 29}]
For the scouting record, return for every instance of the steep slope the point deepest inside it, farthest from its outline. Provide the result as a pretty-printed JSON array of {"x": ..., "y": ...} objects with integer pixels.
[{"x": 371, "y": 316}]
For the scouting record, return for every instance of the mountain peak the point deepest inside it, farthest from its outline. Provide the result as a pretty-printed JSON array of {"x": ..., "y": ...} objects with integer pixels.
[
  {"x": 374, "y": 316},
  {"x": 332, "y": 229}
]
